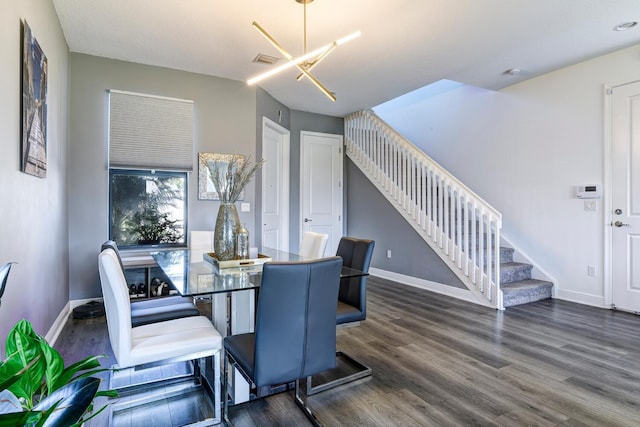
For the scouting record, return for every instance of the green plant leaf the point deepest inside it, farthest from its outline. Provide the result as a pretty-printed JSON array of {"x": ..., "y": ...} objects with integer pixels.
[
  {"x": 71, "y": 402},
  {"x": 107, "y": 393},
  {"x": 53, "y": 368},
  {"x": 23, "y": 341},
  {"x": 11, "y": 370},
  {"x": 70, "y": 371},
  {"x": 93, "y": 414},
  {"x": 45, "y": 414},
  {"x": 33, "y": 370},
  {"x": 17, "y": 419}
]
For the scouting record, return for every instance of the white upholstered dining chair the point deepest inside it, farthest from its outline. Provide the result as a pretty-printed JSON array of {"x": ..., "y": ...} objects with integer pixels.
[
  {"x": 313, "y": 245},
  {"x": 200, "y": 242},
  {"x": 188, "y": 338}
]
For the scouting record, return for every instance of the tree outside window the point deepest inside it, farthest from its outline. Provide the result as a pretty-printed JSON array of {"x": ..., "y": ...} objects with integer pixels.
[{"x": 147, "y": 208}]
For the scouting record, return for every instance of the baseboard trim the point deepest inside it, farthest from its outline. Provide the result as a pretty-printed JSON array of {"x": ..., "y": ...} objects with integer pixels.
[
  {"x": 581, "y": 298},
  {"x": 55, "y": 330},
  {"x": 439, "y": 288}
]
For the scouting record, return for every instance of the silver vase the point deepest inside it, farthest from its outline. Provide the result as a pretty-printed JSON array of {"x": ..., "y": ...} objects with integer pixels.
[{"x": 224, "y": 234}]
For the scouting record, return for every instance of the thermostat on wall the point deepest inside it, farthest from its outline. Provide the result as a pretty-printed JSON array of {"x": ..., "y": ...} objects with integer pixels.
[{"x": 591, "y": 191}]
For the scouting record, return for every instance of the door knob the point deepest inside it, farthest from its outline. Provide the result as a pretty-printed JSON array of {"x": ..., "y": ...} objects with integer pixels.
[
  {"x": 621, "y": 224},
  {"x": 307, "y": 220}
]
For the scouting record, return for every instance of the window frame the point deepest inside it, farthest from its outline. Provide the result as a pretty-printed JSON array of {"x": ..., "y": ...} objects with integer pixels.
[{"x": 158, "y": 173}]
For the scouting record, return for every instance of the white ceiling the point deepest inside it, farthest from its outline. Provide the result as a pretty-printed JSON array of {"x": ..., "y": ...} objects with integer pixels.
[{"x": 405, "y": 44}]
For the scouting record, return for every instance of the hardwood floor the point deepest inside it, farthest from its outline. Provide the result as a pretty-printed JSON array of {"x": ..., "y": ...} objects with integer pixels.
[{"x": 440, "y": 361}]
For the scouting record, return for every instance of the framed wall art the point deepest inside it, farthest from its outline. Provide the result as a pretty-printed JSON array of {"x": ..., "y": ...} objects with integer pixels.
[
  {"x": 34, "y": 106},
  {"x": 206, "y": 189}
]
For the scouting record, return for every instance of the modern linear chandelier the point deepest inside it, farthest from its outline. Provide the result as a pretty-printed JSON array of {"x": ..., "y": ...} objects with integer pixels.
[{"x": 307, "y": 61}]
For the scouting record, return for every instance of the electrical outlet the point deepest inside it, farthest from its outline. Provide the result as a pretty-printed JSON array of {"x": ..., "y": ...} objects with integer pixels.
[
  {"x": 389, "y": 253},
  {"x": 245, "y": 207}
]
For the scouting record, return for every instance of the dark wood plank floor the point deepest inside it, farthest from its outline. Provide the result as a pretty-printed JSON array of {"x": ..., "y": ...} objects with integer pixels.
[{"x": 439, "y": 361}]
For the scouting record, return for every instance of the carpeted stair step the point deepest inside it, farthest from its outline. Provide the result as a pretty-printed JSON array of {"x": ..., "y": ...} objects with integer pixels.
[
  {"x": 514, "y": 272},
  {"x": 506, "y": 254},
  {"x": 525, "y": 291}
]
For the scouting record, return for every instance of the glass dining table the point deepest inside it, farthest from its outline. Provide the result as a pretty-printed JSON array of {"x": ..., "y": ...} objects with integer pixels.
[
  {"x": 233, "y": 292},
  {"x": 197, "y": 277}
]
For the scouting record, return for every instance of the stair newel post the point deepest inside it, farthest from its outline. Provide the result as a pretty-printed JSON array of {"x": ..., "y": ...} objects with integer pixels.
[
  {"x": 489, "y": 249},
  {"x": 498, "y": 297}
]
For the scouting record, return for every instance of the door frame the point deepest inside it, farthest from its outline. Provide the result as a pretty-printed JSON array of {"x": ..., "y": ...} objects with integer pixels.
[
  {"x": 607, "y": 271},
  {"x": 285, "y": 203},
  {"x": 342, "y": 187},
  {"x": 608, "y": 190}
]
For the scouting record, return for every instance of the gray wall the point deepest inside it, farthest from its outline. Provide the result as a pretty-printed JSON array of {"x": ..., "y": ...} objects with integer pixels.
[
  {"x": 33, "y": 211},
  {"x": 311, "y": 122},
  {"x": 371, "y": 216},
  {"x": 225, "y": 116}
]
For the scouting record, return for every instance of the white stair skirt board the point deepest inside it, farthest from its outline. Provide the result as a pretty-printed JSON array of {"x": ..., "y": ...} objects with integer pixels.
[{"x": 439, "y": 288}]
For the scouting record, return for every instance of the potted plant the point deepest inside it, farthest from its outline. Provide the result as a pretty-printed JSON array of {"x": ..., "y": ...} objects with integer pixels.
[{"x": 37, "y": 390}]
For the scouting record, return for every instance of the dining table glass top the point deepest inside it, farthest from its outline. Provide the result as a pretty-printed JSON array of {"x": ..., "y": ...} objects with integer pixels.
[{"x": 193, "y": 277}]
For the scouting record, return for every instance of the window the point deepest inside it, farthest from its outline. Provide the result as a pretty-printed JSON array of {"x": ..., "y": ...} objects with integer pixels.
[{"x": 147, "y": 207}]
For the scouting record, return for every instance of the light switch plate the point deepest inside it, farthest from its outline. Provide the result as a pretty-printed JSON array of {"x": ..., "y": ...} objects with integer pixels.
[
  {"x": 245, "y": 207},
  {"x": 590, "y": 205}
]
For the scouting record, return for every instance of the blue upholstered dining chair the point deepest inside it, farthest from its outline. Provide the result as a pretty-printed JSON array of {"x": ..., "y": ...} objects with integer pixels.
[
  {"x": 352, "y": 305},
  {"x": 295, "y": 332}
]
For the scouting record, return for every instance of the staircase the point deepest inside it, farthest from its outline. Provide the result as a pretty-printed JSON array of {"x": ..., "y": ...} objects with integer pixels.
[
  {"x": 516, "y": 283},
  {"x": 443, "y": 211}
]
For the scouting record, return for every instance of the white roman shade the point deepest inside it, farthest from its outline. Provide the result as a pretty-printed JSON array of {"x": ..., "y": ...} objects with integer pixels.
[{"x": 150, "y": 132}]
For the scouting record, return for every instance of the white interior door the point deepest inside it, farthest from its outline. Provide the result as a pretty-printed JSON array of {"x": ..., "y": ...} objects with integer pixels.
[
  {"x": 275, "y": 186},
  {"x": 321, "y": 187},
  {"x": 625, "y": 197}
]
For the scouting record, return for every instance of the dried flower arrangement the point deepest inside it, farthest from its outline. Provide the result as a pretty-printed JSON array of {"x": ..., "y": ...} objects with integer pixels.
[{"x": 230, "y": 176}]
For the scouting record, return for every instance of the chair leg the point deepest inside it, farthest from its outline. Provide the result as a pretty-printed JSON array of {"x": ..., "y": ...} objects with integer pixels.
[
  {"x": 216, "y": 381},
  {"x": 363, "y": 372},
  {"x": 173, "y": 387},
  {"x": 225, "y": 394},
  {"x": 302, "y": 404},
  {"x": 197, "y": 369}
]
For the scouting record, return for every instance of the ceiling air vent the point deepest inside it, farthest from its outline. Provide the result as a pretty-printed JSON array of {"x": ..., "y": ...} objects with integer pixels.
[{"x": 261, "y": 58}]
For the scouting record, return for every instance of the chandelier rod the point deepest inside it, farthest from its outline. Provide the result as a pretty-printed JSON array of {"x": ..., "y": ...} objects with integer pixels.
[
  {"x": 307, "y": 61},
  {"x": 304, "y": 51}
]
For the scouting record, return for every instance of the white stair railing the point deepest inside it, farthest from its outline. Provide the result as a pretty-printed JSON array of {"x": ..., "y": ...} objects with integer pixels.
[{"x": 458, "y": 225}]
